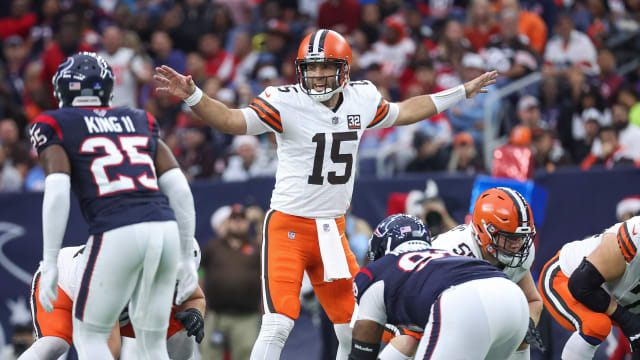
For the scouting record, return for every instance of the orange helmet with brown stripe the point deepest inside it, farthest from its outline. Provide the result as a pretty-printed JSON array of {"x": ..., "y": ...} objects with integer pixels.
[
  {"x": 502, "y": 222},
  {"x": 324, "y": 46}
]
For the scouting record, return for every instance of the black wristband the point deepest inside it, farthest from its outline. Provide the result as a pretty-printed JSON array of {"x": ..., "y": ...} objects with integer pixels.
[
  {"x": 622, "y": 317},
  {"x": 363, "y": 351}
]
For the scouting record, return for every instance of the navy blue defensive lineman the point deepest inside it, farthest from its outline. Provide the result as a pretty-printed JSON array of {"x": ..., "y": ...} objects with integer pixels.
[
  {"x": 448, "y": 297},
  {"x": 135, "y": 199}
]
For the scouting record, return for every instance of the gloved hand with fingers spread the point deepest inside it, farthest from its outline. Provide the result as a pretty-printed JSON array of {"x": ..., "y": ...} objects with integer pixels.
[
  {"x": 193, "y": 322},
  {"x": 533, "y": 336},
  {"x": 48, "y": 285}
]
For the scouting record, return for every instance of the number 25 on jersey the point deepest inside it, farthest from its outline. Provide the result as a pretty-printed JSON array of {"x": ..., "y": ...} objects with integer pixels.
[{"x": 130, "y": 145}]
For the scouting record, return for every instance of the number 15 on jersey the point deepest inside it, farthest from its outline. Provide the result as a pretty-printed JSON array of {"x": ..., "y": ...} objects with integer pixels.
[{"x": 316, "y": 177}]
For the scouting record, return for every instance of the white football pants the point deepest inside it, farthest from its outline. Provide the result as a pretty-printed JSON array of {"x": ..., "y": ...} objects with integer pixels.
[
  {"x": 138, "y": 263},
  {"x": 479, "y": 319}
]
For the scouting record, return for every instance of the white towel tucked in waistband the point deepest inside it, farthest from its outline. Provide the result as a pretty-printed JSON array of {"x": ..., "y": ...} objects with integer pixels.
[{"x": 331, "y": 250}]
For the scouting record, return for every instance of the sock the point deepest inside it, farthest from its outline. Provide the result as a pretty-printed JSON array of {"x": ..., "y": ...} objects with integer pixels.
[{"x": 274, "y": 332}]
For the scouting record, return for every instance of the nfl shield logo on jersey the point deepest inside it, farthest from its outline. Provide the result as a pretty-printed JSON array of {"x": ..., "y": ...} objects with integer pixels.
[
  {"x": 335, "y": 120},
  {"x": 292, "y": 235},
  {"x": 326, "y": 227}
]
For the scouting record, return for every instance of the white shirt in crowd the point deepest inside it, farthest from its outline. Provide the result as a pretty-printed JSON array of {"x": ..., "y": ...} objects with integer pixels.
[{"x": 125, "y": 64}]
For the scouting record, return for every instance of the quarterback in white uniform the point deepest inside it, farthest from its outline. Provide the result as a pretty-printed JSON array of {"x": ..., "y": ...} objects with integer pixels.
[
  {"x": 501, "y": 232},
  {"x": 593, "y": 282},
  {"x": 318, "y": 125}
]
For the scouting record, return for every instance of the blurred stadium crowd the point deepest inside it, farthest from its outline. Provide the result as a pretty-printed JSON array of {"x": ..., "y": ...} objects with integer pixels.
[{"x": 584, "y": 111}]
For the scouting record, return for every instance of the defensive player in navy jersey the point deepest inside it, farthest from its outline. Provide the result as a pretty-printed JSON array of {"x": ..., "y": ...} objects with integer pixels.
[
  {"x": 449, "y": 297},
  {"x": 135, "y": 199}
]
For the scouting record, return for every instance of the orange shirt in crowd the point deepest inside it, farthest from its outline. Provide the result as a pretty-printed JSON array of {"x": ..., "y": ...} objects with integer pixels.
[{"x": 533, "y": 27}]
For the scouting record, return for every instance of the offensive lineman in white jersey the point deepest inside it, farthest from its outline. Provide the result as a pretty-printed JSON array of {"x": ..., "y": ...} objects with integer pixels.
[
  {"x": 501, "y": 232},
  {"x": 318, "y": 125},
  {"x": 593, "y": 282}
]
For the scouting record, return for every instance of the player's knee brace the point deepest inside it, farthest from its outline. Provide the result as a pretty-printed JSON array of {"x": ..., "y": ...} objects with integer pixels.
[
  {"x": 584, "y": 285},
  {"x": 275, "y": 328},
  {"x": 46, "y": 348},
  {"x": 343, "y": 333}
]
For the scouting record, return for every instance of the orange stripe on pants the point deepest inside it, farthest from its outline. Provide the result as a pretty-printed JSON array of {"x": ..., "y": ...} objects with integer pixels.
[
  {"x": 569, "y": 312},
  {"x": 290, "y": 246}
]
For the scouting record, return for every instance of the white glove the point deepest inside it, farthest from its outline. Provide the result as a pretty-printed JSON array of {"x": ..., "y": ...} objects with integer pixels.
[
  {"x": 48, "y": 286},
  {"x": 187, "y": 280}
]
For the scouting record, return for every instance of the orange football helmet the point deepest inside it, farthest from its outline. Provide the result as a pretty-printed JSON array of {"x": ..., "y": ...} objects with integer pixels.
[
  {"x": 503, "y": 224},
  {"x": 324, "y": 46}
]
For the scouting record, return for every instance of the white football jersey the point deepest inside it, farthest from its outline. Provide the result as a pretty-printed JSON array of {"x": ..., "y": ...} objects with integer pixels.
[
  {"x": 461, "y": 241},
  {"x": 125, "y": 63},
  {"x": 69, "y": 269},
  {"x": 626, "y": 290},
  {"x": 317, "y": 147}
]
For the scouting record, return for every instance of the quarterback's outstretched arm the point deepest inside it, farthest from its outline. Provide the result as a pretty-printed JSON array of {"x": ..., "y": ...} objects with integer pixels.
[
  {"x": 421, "y": 107},
  {"x": 211, "y": 111}
]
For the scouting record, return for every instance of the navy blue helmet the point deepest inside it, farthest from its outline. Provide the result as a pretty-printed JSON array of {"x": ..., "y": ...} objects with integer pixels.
[
  {"x": 395, "y": 230},
  {"x": 83, "y": 79}
]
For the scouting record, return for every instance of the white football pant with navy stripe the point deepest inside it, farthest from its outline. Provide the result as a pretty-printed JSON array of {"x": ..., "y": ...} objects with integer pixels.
[
  {"x": 136, "y": 263},
  {"x": 479, "y": 319}
]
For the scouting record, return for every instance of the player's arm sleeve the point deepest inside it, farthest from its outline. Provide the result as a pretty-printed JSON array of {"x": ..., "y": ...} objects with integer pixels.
[
  {"x": 45, "y": 131},
  {"x": 371, "y": 304},
  {"x": 386, "y": 113},
  {"x": 173, "y": 184},
  {"x": 262, "y": 114},
  {"x": 55, "y": 213}
]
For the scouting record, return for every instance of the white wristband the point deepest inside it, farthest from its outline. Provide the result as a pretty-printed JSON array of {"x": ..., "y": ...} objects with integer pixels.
[
  {"x": 194, "y": 98},
  {"x": 447, "y": 98}
]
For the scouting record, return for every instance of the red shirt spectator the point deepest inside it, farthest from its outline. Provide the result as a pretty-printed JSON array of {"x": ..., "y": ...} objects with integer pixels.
[
  {"x": 481, "y": 24},
  {"x": 336, "y": 13},
  {"x": 51, "y": 58},
  {"x": 218, "y": 62},
  {"x": 68, "y": 42},
  {"x": 20, "y": 21}
]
